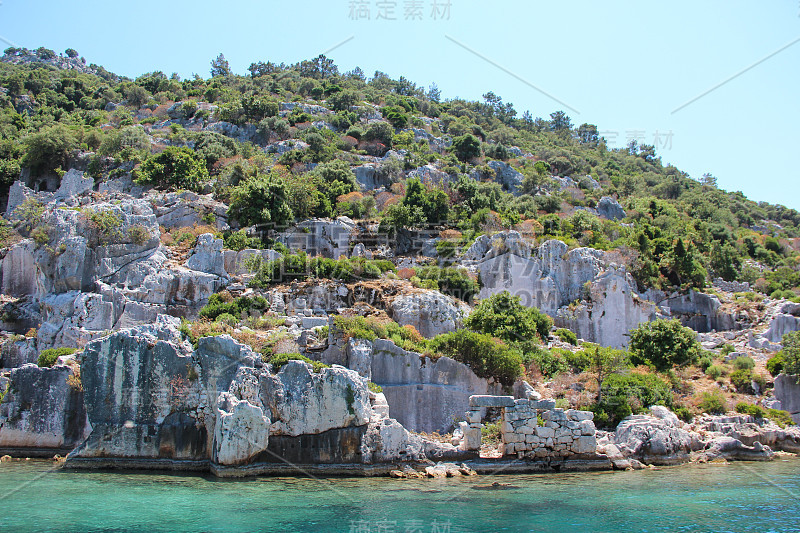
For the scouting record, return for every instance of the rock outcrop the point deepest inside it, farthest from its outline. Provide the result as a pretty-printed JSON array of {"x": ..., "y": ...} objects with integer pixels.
[
  {"x": 430, "y": 312},
  {"x": 787, "y": 391}
]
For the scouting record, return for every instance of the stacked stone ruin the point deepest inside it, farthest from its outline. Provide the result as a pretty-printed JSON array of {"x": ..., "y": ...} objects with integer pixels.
[{"x": 532, "y": 429}]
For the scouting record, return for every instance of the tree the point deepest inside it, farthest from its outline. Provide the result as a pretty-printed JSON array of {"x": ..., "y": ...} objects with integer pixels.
[
  {"x": 342, "y": 101},
  {"x": 603, "y": 362},
  {"x": 709, "y": 179},
  {"x": 261, "y": 200},
  {"x": 486, "y": 356},
  {"x": 587, "y": 134},
  {"x": 725, "y": 261},
  {"x": 174, "y": 168},
  {"x": 71, "y": 53},
  {"x": 466, "y": 147},
  {"x": 381, "y": 132},
  {"x": 664, "y": 344},
  {"x": 503, "y": 316},
  {"x": 49, "y": 149},
  {"x": 220, "y": 67},
  {"x": 560, "y": 122},
  {"x": 791, "y": 354}
]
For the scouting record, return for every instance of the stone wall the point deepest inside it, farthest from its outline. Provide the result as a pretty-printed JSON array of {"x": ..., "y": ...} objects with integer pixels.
[{"x": 533, "y": 429}]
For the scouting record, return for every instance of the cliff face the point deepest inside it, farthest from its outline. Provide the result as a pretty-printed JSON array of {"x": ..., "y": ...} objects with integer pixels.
[{"x": 152, "y": 399}]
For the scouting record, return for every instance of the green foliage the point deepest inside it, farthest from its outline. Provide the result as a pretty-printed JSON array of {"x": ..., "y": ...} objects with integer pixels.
[
  {"x": 106, "y": 225},
  {"x": 626, "y": 394},
  {"x": 714, "y": 371},
  {"x": 491, "y": 433},
  {"x": 453, "y": 281},
  {"x": 261, "y": 201},
  {"x": 744, "y": 378},
  {"x": 790, "y": 353},
  {"x": 486, "y": 356},
  {"x": 549, "y": 362},
  {"x": 683, "y": 413},
  {"x": 775, "y": 364},
  {"x": 174, "y": 168},
  {"x": 705, "y": 360},
  {"x": 466, "y": 147},
  {"x": 664, "y": 344},
  {"x": 744, "y": 363},
  {"x": 377, "y": 389},
  {"x": 567, "y": 336},
  {"x": 221, "y": 303},
  {"x": 301, "y": 266},
  {"x": 238, "y": 240},
  {"x": 279, "y": 360},
  {"x": 503, "y": 316},
  {"x": 49, "y": 149},
  {"x": 713, "y": 403},
  {"x": 48, "y": 357}
]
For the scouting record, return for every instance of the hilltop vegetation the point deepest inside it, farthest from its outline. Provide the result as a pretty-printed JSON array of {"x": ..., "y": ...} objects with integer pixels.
[{"x": 286, "y": 137}]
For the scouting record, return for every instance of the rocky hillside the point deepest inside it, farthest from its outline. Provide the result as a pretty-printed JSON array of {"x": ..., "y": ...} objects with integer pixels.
[{"x": 438, "y": 249}]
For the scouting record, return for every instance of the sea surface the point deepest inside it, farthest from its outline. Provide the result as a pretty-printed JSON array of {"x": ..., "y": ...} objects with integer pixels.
[{"x": 759, "y": 497}]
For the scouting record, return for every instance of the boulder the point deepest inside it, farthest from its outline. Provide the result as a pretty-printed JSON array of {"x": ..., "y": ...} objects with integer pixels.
[
  {"x": 780, "y": 325},
  {"x": 430, "y": 312},
  {"x": 787, "y": 391},
  {"x": 328, "y": 238},
  {"x": 207, "y": 256},
  {"x": 388, "y": 441},
  {"x": 729, "y": 448},
  {"x": 242, "y": 431},
  {"x": 73, "y": 184},
  {"x": 43, "y": 410},
  {"x": 609, "y": 208},
  {"x": 653, "y": 440}
]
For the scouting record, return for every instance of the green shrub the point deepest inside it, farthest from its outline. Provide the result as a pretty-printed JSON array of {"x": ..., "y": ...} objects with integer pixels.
[
  {"x": 174, "y": 168},
  {"x": 775, "y": 364},
  {"x": 279, "y": 360},
  {"x": 713, "y": 403},
  {"x": 744, "y": 363},
  {"x": 227, "y": 318},
  {"x": 567, "y": 336},
  {"x": 49, "y": 149},
  {"x": 705, "y": 361},
  {"x": 377, "y": 389},
  {"x": 626, "y": 394},
  {"x": 486, "y": 356},
  {"x": 790, "y": 354},
  {"x": 453, "y": 281},
  {"x": 105, "y": 225},
  {"x": 491, "y": 433},
  {"x": 664, "y": 344},
  {"x": 218, "y": 305},
  {"x": 238, "y": 240},
  {"x": 578, "y": 362},
  {"x": 744, "y": 378},
  {"x": 548, "y": 362},
  {"x": 138, "y": 235},
  {"x": 683, "y": 413},
  {"x": 261, "y": 200},
  {"x": 715, "y": 372},
  {"x": 503, "y": 316},
  {"x": 756, "y": 411},
  {"x": 300, "y": 266},
  {"x": 781, "y": 418},
  {"x": 48, "y": 357}
]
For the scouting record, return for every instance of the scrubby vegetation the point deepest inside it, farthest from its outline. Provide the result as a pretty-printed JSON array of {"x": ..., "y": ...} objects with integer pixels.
[{"x": 47, "y": 358}]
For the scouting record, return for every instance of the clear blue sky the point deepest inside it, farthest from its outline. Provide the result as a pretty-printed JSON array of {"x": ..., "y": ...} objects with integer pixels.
[{"x": 623, "y": 65}]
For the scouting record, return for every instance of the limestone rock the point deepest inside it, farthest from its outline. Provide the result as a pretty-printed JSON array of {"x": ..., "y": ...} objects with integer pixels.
[
  {"x": 207, "y": 256},
  {"x": 73, "y": 184},
  {"x": 43, "y": 409},
  {"x": 609, "y": 208},
  {"x": 653, "y": 440},
  {"x": 242, "y": 431},
  {"x": 787, "y": 391},
  {"x": 320, "y": 237},
  {"x": 430, "y": 312}
]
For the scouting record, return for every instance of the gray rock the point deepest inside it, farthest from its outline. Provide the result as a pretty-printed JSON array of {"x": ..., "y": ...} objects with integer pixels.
[
  {"x": 207, "y": 256},
  {"x": 491, "y": 401},
  {"x": 73, "y": 184},
  {"x": 430, "y": 312},
  {"x": 780, "y": 325},
  {"x": 609, "y": 208},
  {"x": 42, "y": 410},
  {"x": 652, "y": 440},
  {"x": 787, "y": 391},
  {"x": 242, "y": 431},
  {"x": 320, "y": 237}
]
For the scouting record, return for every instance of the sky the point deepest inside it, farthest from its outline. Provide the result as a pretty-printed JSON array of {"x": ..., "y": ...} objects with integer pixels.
[{"x": 712, "y": 84}]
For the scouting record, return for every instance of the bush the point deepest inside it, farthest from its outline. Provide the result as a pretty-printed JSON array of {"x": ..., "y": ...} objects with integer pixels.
[
  {"x": 486, "y": 356},
  {"x": 300, "y": 266},
  {"x": 47, "y": 358},
  {"x": 138, "y": 235},
  {"x": 626, "y": 394},
  {"x": 664, "y": 344},
  {"x": 453, "y": 281},
  {"x": 567, "y": 336},
  {"x": 227, "y": 318},
  {"x": 174, "y": 168},
  {"x": 223, "y": 304},
  {"x": 756, "y": 411},
  {"x": 791, "y": 353},
  {"x": 705, "y": 361},
  {"x": 775, "y": 364},
  {"x": 466, "y": 147},
  {"x": 261, "y": 200},
  {"x": 503, "y": 316},
  {"x": 715, "y": 372},
  {"x": 548, "y": 362},
  {"x": 279, "y": 360},
  {"x": 49, "y": 149},
  {"x": 713, "y": 403},
  {"x": 744, "y": 363},
  {"x": 683, "y": 413},
  {"x": 744, "y": 378}
]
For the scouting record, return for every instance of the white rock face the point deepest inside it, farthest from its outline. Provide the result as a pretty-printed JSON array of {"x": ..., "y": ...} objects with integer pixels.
[
  {"x": 207, "y": 256},
  {"x": 242, "y": 431},
  {"x": 780, "y": 325},
  {"x": 308, "y": 403},
  {"x": 609, "y": 208},
  {"x": 787, "y": 391},
  {"x": 430, "y": 312},
  {"x": 653, "y": 440},
  {"x": 387, "y": 440},
  {"x": 73, "y": 184},
  {"x": 19, "y": 269}
]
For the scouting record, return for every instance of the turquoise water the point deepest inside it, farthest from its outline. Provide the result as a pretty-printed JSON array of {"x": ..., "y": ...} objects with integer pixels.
[{"x": 760, "y": 497}]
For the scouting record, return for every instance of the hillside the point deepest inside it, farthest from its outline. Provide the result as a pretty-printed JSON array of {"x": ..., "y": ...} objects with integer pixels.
[{"x": 325, "y": 216}]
